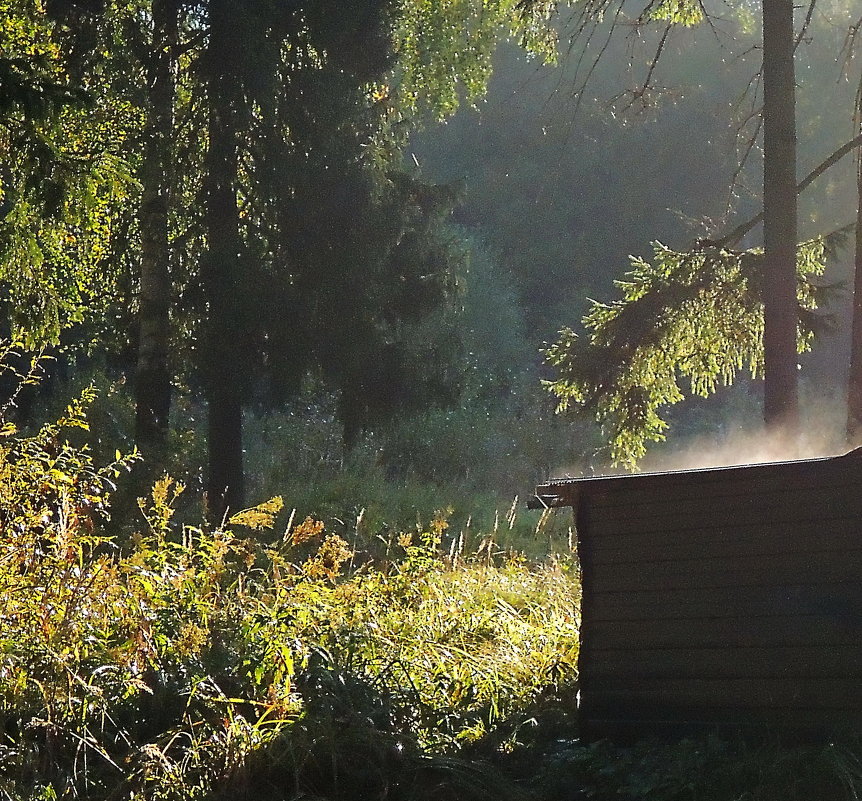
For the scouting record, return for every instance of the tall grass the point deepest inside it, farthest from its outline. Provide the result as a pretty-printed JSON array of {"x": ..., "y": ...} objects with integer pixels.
[{"x": 158, "y": 665}]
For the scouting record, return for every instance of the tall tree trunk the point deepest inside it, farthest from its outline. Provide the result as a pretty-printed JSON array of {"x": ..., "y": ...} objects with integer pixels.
[
  {"x": 781, "y": 404},
  {"x": 153, "y": 377},
  {"x": 221, "y": 266},
  {"x": 349, "y": 412},
  {"x": 854, "y": 387}
]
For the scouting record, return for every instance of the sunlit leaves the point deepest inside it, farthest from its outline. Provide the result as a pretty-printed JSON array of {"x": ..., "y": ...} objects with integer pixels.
[
  {"x": 444, "y": 49},
  {"x": 692, "y": 316},
  {"x": 64, "y": 180},
  {"x": 258, "y": 517},
  {"x": 678, "y": 12},
  {"x": 154, "y": 666}
]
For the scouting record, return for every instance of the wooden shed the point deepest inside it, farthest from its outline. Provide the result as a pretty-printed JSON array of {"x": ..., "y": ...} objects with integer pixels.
[{"x": 720, "y": 597}]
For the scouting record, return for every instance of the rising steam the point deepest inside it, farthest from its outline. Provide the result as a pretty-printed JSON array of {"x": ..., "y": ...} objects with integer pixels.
[{"x": 823, "y": 434}]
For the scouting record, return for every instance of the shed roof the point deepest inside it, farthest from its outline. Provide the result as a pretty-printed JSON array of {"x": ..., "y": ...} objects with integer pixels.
[{"x": 559, "y": 492}]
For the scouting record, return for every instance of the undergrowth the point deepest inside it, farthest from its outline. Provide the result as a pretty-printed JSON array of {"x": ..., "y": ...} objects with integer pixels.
[
  {"x": 707, "y": 768},
  {"x": 478, "y": 464},
  {"x": 182, "y": 659},
  {"x": 270, "y": 661}
]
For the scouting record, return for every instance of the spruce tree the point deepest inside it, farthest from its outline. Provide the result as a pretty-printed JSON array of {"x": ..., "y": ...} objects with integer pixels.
[
  {"x": 224, "y": 375},
  {"x": 153, "y": 375}
]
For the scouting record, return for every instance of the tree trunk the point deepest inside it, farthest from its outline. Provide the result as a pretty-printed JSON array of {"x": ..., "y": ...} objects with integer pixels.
[
  {"x": 222, "y": 331},
  {"x": 153, "y": 377},
  {"x": 781, "y": 405},
  {"x": 854, "y": 388},
  {"x": 351, "y": 419},
  {"x": 225, "y": 491}
]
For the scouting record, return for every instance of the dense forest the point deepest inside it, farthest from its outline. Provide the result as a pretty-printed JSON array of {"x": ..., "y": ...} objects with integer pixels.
[{"x": 300, "y": 300}]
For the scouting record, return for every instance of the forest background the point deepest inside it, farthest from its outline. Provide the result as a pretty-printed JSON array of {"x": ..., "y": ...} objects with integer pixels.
[
  {"x": 272, "y": 250},
  {"x": 450, "y": 253}
]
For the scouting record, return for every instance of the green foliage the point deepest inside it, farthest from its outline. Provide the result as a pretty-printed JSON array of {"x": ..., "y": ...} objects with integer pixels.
[
  {"x": 109, "y": 664},
  {"x": 678, "y": 12},
  {"x": 318, "y": 133},
  {"x": 696, "y": 315},
  {"x": 319, "y": 156},
  {"x": 531, "y": 165},
  {"x": 49, "y": 488},
  {"x": 455, "y": 648},
  {"x": 490, "y": 326},
  {"x": 478, "y": 459},
  {"x": 444, "y": 50},
  {"x": 502, "y": 449},
  {"x": 154, "y": 667},
  {"x": 66, "y": 174}
]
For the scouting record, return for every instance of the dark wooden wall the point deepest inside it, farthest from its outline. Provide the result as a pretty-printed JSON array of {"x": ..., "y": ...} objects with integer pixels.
[{"x": 720, "y": 597}]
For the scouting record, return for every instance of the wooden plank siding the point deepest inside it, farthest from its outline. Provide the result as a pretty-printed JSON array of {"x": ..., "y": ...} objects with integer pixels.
[{"x": 722, "y": 597}]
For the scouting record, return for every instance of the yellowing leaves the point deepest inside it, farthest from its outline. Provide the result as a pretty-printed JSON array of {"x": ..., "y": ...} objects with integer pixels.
[
  {"x": 259, "y": 517},
  {"x": 210, "y": 629},
  {"x": 327, "y": 562},
  {"x": 307, "y": 530}
]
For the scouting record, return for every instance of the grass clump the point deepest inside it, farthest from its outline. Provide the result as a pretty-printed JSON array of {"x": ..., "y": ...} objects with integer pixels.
[{"x": 458, "y": 649}]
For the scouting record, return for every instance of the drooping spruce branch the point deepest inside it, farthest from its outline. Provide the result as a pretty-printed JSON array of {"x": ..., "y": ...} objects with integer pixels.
[{"x": 685, "y": 317}]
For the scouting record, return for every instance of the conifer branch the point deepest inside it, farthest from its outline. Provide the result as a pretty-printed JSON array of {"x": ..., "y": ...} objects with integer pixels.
[{"x": 692, "y": 316}]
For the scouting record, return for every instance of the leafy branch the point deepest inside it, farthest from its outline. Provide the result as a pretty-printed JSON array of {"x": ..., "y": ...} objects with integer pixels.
[{"x": 693, "y": 316}]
